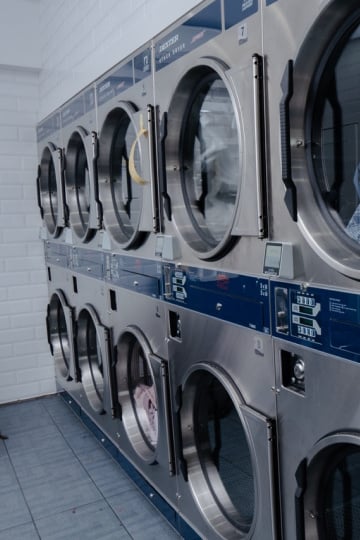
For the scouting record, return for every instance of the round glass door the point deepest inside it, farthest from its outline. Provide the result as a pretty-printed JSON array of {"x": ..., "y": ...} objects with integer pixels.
[
  {"x": 59, "y": 336},
  {"x": 218, "y": 453},
  {"x": 332, "y": 504},
  {"x": 137, "y": 393},
  {"x": 324, "y": 134},
  {"x": 121, "y": 197},
  {"x": 49, "y": 192},
  {"x": 203, "y": 160},
  {"x": 90, "y": 358},
  {"x": 78, "y": 186}
]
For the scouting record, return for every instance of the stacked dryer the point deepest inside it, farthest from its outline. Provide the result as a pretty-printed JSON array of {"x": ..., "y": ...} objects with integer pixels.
[
  {"x": 313, "y": 65},
  {"x": 211, "y": 163}
]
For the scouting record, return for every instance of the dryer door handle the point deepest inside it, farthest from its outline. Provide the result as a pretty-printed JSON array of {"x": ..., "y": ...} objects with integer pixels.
[
  {"x": 38, "y": 190},
  {"x": 287, "y": 88},
  {"x": 300, "y": 476}
]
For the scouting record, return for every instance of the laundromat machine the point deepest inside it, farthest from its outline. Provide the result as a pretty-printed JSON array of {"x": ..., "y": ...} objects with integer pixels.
[
  {"x": 201, "y": 218},
  {"x": 312, "y": 92}
]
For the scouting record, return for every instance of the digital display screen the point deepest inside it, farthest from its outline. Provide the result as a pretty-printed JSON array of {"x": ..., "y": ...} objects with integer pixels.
[
  {"x": 307, "y": 322},
  {"x": 306, "y": 310},
  {"x": 272, "y": 258}
]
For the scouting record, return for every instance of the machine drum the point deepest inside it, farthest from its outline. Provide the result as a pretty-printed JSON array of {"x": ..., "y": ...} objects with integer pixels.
[
  {"x": 218, "y": 455},
  {"x": 207, "y": 146},
  {"x": 59, "y": 338},
  {"x": 90, "y": 358},
  {"x": 121, "y": 197},
  {"x": 78, "y": 185},
  {"x": 137, "y": 394}
]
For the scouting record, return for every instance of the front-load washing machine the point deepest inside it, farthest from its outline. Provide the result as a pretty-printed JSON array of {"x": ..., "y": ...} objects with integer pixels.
[
  {"x": 313, "y": 122},
  {"x": 208, "y": 85},
  {"x": 222, "y": 379},
  {"x": 60, "y": 324},
  {"x": 142, "y": 427},
  {"x": 78, "y": 120},
  {"x": 50, "y": 177},
  {"x": 126, "y": 163},
  {"x": 319, "y": 417}
]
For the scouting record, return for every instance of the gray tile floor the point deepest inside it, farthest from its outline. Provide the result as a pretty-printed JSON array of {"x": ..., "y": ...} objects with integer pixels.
[{"x": 57, "y": 482}]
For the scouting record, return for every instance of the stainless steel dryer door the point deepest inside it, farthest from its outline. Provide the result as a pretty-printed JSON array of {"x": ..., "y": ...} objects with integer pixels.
[
  {"x": 93, "y": 349},
  {"x": 60, "y": 329},
  {"x": 81, "y": 183},
  {"x": 213, "y": 155},
  {"x": 143, "y": 396},
  {"x": 226, "y": 457},
  {"x": 328, "y": 494},
  {"x": 51, "y": 189},
  {"x": 126, "y": 176},
  {"x": 320, "y": 137}
]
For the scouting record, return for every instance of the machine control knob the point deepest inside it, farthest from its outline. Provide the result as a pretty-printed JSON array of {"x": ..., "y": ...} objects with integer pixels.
[{"x": 299, "y": 369}]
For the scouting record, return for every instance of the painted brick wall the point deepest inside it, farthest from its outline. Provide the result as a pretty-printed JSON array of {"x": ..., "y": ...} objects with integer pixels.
[
  {"x": 26, "y": 366},
  {"x": 77, "y": 41}
]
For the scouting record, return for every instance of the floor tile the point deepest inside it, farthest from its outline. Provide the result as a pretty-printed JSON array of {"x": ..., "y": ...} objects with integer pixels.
[
  {"x": 21, "y": 532},
  {"x": 3, "y": 451},
  {"x": 13, "y": 508},
  {"x": 39, "y": 437},
  {"x": 140, "y": 518},
  {"x": 91, "y": 522},
  {"x": 58, "y": 487},
  {"x": 7, "y": 474},
  {"x": 105, "y": 472},
  {"x": 25, "y": 416}
]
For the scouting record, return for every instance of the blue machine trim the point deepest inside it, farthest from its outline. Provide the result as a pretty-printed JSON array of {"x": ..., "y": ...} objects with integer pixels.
[
  {"x": 48, "y": 126},
  {"x": 114, "y": 84},
  {"x": 194, "y": 32},
  {"x": 57, "y": 254},
  {"x": 322, "y": 319},
  {"x": 238, "y": 10},
  {"x": 268, "y": 2},
  {"x": 88, "y": 261},
  {"x": 140, "y": 275},
  {"x": 242, "y": 300},
  {"x": 152, "y": 495}
]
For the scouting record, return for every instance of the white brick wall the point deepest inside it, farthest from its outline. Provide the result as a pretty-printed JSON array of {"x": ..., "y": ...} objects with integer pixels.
[
  {"x": 74, "y": 43},
  {"x": 26, "y": 366}
]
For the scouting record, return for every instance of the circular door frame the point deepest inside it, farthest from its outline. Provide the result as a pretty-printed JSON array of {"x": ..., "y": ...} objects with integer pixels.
[
  {"x": 263, "y": 515},
  {"x": 316, "y": 463},
  {"x": 84, "y": 223},
  {"x": 174, "y": 170},
  {"x": 132, "y": 428},
  {"x": 96, "y": 385},
  {"x": 54, "y": 220},
  {"x": 316, "y": 222},
  {"x": 111, "y": 215},
  {"x": 55, "y": 340}
]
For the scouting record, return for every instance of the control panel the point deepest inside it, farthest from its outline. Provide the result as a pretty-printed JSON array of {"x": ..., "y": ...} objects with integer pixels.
[
  {"x": 326, "y": 319},
  {"x": 239, "y": 299}
]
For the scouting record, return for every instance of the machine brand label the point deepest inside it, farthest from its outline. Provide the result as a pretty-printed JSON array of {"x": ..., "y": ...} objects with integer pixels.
[
  {"x": 117, "y": 82},
  {"x": 48, "y": 126},
  {"x": 73, "y": 110},
  {"x": 197, "y": 30},
  {"x": 236, "y": 11},
  {"x": 89, "y": 100},
  {"x": 142, "y": 65}
]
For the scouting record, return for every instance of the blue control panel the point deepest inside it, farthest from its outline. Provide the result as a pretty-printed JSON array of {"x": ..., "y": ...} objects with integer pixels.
[
  {"x": 58, "y": 254},
  {"x": 242, "y": 300},
  {"x": 323, "y": 319}
]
